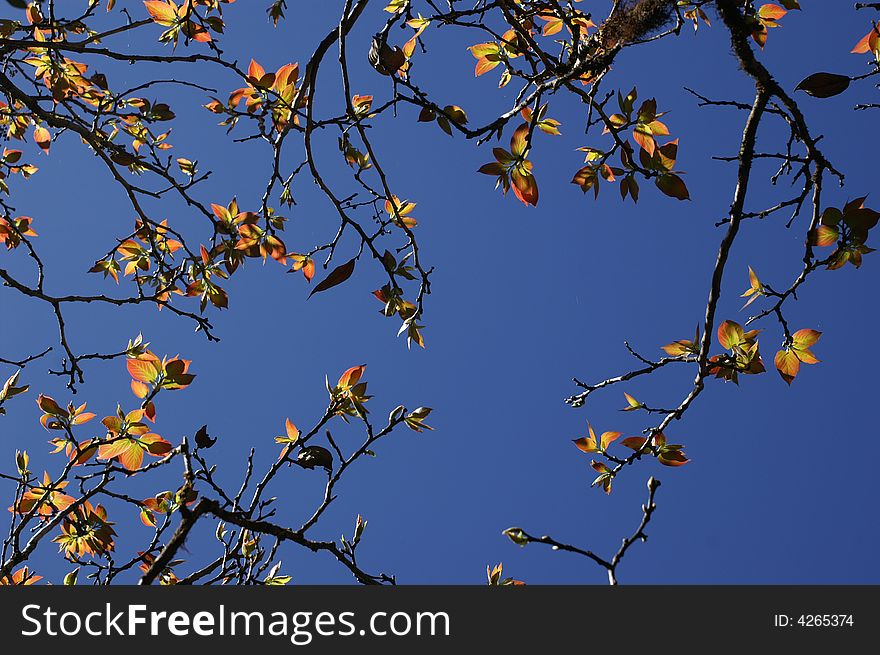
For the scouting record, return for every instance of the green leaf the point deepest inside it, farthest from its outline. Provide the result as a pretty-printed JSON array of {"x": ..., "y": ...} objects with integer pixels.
[
  {"x": 516, "y": 535},
  {"x": 70, "y": 578}
]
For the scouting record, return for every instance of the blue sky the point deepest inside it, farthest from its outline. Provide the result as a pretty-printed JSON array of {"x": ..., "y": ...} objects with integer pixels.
[{"x": 781, "y": 484}]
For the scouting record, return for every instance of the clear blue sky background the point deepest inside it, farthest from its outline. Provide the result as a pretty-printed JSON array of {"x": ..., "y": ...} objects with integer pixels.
[{"x": 782, "y": 486}]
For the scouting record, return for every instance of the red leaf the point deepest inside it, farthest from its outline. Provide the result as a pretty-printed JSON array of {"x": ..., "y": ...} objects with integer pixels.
[{"x": 525, "y": 187}]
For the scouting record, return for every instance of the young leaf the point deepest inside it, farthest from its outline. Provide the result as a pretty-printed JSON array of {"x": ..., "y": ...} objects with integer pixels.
[{"x": 632, "y": 403}]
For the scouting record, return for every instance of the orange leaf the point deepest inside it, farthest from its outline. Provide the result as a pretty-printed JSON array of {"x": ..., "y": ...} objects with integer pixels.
[
  {"x": 672, "y": 458},
  {"x": 646, "y": 141},
  {"x": 155, "y": 445},
  {"x": 771, "y": 12},
  {"x": 255, "y": 71},
  {"x": 525, "y": 187},
  {"x": 43, "y": 139},
  {"x": 351, "y": 376},
  {"x": 586, "y": 445},
  {"x": 867, "y": 43},
  {"x": 519, "y": 140},
  {"x": 824, "y": 236},
  {"x": 162, "y": 12},
  {"x": 142, "y": 370},
  {"x": 139, "y": 389},
  {"x": 805, "y": 338},
  {"x": 730, "y": 334},
  {"x": 608, "y": 437},
  {"x": 484, "y": 66},
  {"x": 635, "y": 443},
  {"x": 787, "y": 364}
]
